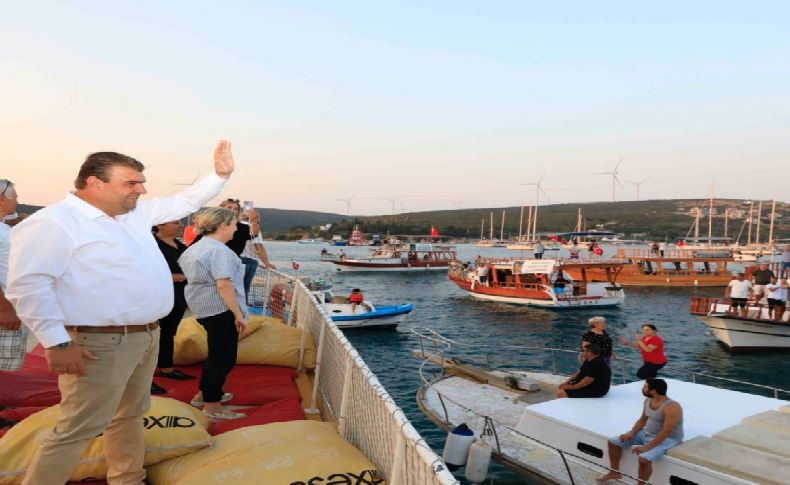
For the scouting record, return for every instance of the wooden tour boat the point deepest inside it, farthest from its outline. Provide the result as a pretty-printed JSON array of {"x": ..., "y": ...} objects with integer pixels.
[
  {"x": 676, "y": 267},
  {"x": 542, "y": 282},
  {"x": 402, "y": 256}
]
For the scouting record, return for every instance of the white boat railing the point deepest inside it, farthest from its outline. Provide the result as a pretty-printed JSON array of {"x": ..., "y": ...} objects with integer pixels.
[
  {"x": 347, "y": 392},
  {"x": 442, "y": 345}
]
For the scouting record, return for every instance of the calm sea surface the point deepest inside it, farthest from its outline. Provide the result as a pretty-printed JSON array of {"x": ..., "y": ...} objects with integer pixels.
[{"x": 441, "y": 306}]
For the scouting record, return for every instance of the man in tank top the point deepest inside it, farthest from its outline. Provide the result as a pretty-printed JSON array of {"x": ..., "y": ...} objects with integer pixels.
[{"x": 658, "y": 429}]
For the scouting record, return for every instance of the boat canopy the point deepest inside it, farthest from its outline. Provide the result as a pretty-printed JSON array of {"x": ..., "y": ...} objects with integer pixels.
[{"x": 585, "y": 234}]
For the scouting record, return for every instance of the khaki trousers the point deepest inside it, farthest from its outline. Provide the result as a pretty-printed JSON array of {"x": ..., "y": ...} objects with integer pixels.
[{"x": 110, "y": 399}]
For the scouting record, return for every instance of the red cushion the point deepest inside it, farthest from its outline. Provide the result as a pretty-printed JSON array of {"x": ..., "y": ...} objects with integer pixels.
[
  {"x": 88, "y": 480},
  {"x": 18, "y": 414},
  {"x": 250, "y": 384},
  {"x": 21, "y": 388},
  {"x": 273, "y": 412},
  {"x": 36, "y": 362}
]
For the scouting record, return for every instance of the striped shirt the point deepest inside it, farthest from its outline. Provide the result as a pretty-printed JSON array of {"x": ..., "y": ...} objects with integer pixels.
[
  {"x": 13, "y": 343},
  {"x": 205, "y": 262}
]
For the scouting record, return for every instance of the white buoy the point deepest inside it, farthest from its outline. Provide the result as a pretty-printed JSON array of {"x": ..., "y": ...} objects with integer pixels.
[
  {"x": 456, "y": 448},
  {"x": 478, "y": 461}
]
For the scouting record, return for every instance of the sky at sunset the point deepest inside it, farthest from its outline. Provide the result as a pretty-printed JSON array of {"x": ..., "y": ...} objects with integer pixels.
[{"x": 440, "y": 103}]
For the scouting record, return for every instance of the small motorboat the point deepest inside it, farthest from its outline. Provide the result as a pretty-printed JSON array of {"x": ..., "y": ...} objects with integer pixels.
[{"x": 366, "y": 313}]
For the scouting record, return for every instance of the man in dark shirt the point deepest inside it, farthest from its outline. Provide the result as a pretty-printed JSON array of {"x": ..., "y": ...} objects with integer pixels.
[
  {"x": 592, "y": 379},
  {"x": 761, "y": 277}
]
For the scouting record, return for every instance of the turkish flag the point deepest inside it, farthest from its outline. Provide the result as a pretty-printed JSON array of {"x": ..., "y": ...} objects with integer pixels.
[
  {"x": 434, "y": 232},
  {"x": 294, "y": 265}
]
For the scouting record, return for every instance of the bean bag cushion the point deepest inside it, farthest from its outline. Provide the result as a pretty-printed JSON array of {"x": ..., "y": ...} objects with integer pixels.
[
  {"x": 296, "y": 453},
  {"x": 172, "y": 429},
  {"x": 273, "y": 412},
  {"x": 272, "y": 342}
]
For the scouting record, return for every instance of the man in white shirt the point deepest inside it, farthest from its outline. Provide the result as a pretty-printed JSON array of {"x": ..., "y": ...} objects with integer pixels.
[
  {"x": 87, "y": 278},
  {"x": 13, "y": 335},
  {"x": 738, "y": 291},
  {"x": 776, "y": 294}
]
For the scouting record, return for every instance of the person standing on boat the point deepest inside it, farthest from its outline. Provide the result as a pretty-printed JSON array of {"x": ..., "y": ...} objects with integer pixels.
[
  {"x": 591, "y": 380},
  {"x": 482, "y": 274},
  {"x": 597, "y": 336},
  {"x": 776, "y": 293},
  {"x": 760, "y": 277},
  {"x": 172, "y": 249},
  {"x": 574, "y": 251},
  {"x": 738, "y": 291},
  {"x": 651, "y": 346},
  {"x": 658, "y": 429},
  {"x": 784, "y": 271},
  {"x": 662, "y": 246},
  {"x": 92, "y": 294},
  {"x": 215, "y": 295},
  {"x": 13, "y": 335},
  {"x": 539, "y": 249}
]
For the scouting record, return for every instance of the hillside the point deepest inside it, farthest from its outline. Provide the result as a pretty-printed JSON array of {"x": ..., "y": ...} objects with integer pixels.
[
  {"x": 272, "y": 220},
  {"x": 655, "y": 219}
]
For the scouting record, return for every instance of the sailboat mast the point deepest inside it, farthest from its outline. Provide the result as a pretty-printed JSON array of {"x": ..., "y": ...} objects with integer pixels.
[
  {"x": 726, "y": 220},
  {"x": 491, "y": 232},
  {"x": 710, "y": 217},
  {"x": 482, "y": 227},
  {"x": 502, "y": 228},
  {"x": 579, "y": 220},
  {"x": 696, "y": 226},
  {"x": 751, "y": 216},
  {"x": 771, "y": 231},
  {"x": 535, "y": 224},
  {"x": 759, "y": 216},
  {"x": 520, "y": 223},
  {"x": 529, "y": 224}
]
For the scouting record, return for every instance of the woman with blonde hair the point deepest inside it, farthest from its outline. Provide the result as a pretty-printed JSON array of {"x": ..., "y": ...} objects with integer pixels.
[
  {"x": 215, "y": 295},
  {"x": 597, "y": 335}
]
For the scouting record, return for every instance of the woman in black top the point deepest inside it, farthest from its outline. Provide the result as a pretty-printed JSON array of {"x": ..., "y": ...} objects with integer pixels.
[
  {"x": 597, "y": 335},
  {"x": 172, "y": 249}
]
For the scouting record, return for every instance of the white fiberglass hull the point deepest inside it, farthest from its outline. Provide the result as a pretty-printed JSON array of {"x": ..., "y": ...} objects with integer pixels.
[
  {"x": 360, "y": 267},
  {"x": 553, "y": 303},
  {"x": 745, "y": 335}
]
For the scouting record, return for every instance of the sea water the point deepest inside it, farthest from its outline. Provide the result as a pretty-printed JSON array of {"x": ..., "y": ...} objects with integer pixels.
[{"x": 443, "y": 307}]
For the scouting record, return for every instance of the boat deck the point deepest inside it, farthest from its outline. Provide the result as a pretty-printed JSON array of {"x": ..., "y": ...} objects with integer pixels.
[{"x": 506, "y": 407}]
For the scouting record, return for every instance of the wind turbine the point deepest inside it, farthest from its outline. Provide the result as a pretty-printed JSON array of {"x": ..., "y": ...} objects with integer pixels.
[
  {"x": 457, "y": 203},
  {"x": 636, "y": 185},
  {"x": 613, "y": 173},
  {"x": 348, "y": 203},
  {"x": 393, "y": 202}
]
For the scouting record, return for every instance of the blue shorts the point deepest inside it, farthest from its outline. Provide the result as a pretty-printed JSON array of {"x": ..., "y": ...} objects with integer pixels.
[{"x": 641, "y": 439}]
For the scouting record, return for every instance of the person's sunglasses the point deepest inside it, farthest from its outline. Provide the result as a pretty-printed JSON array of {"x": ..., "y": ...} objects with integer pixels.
[{"x": 5, "y": 188}]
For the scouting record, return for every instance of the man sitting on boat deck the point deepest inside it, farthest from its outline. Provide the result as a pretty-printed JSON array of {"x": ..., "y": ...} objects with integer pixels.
[
  {"x": 738, "y": 291},
  {"x": 658, "y": 429},
  {"x": 592, "y": 379}
]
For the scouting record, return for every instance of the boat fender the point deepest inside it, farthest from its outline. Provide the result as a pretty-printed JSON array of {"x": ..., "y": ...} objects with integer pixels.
[
  {"x": 477, "y": 464},
  {"x": 456, "y": 448}
]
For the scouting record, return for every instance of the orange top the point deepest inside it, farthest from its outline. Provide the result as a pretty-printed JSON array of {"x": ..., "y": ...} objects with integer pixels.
[{"x": 356, "y": 297}]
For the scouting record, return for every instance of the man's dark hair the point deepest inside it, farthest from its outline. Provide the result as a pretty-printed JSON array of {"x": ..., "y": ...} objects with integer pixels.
[
  {"x": 658, "y": 385},
  {"x": 594, "y": 349},
  {"x": 99, "y": 164},
  {"x": 650, "y": 326}
]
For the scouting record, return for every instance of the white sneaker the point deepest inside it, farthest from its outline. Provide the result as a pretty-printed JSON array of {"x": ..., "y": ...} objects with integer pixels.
[
  {"x": 223, "y": 415},
  {"x": 197, "y": 401}
]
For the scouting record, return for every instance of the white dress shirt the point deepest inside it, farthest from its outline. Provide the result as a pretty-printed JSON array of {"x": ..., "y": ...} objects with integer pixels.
[
  {"x": 5, "y": 247},
  {"x": 72, "y": 264}
]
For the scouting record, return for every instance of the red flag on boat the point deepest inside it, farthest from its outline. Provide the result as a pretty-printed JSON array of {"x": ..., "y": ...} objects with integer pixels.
[
  {"x": 597, "y": 250},
  {"x": 294, "y": 265},
  {"x": 553, "y": 237},
  {"x": 434, "y": 232}
]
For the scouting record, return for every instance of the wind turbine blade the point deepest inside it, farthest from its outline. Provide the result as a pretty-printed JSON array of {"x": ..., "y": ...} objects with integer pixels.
[
  {"x": 618, "y": 164},
  {"x": 541, "y": 178}
]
